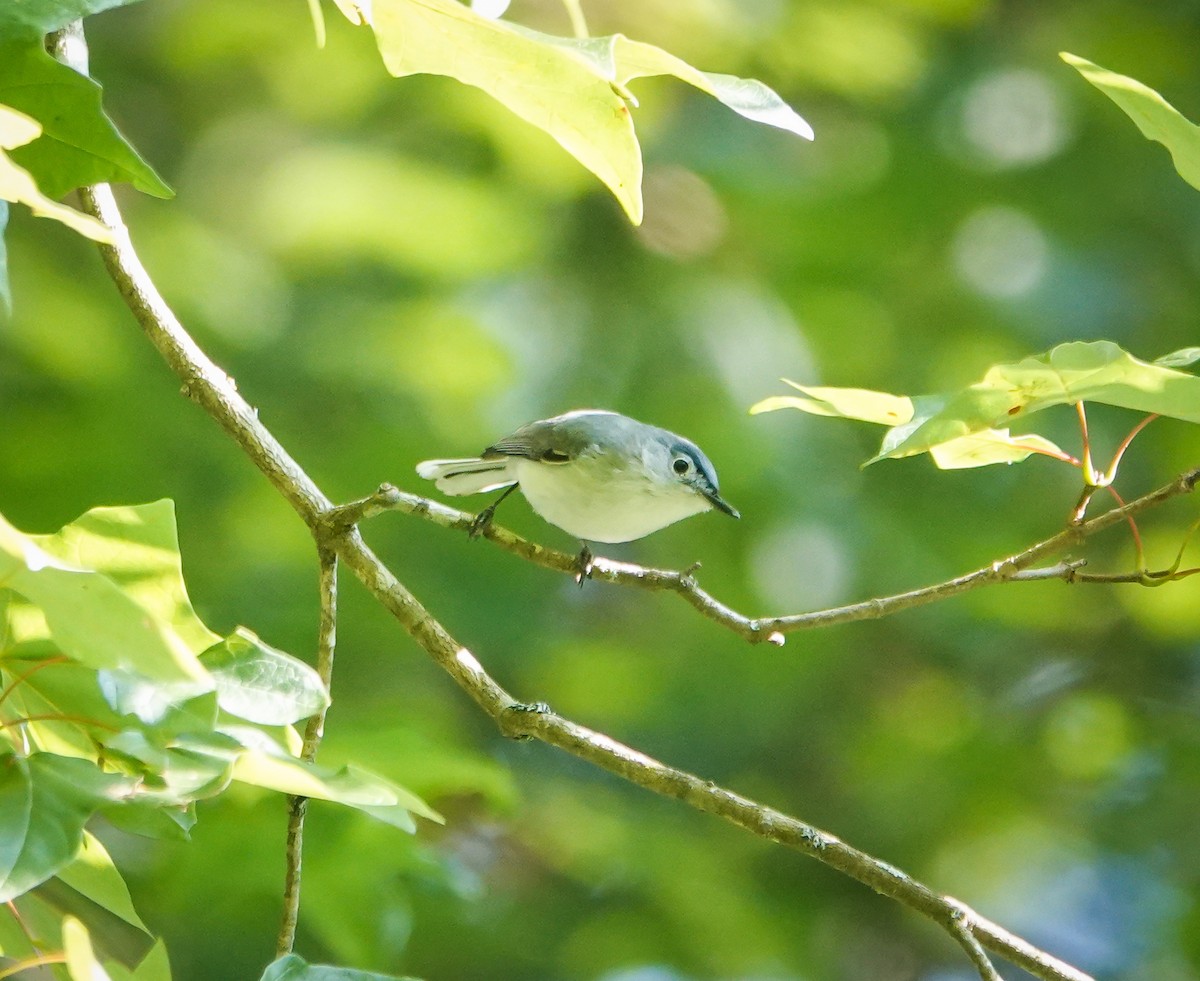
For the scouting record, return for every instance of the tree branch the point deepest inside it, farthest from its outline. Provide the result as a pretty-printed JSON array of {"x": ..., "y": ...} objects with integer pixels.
[
  {"x": 1014, "y": 568},
  {"x": 298, "y": 806}
]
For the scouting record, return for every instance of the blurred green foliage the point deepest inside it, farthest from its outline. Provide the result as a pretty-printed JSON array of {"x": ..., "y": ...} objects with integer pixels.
[{"x": 397, "y": 269}]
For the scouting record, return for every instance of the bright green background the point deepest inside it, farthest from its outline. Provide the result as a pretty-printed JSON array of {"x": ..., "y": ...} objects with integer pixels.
[{"x": 394, "y": 270}]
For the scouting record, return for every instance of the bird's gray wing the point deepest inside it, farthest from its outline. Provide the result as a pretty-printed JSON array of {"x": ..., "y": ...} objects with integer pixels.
[{"x": 546, "y": 441}]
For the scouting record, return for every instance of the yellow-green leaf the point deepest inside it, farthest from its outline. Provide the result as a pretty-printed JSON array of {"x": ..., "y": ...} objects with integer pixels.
[
  {"x": 573, "y": 89},
  {"x": 94, "y": 875},
  {"x": 1155, "y": 116},
  {"x": 990, "y": 446},
  {"x": 845, "y": 403},
  {"x": 110, "y": 591}
]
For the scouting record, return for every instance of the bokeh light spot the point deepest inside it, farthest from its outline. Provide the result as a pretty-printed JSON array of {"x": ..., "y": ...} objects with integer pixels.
[{"x": 1000, "y": 252}]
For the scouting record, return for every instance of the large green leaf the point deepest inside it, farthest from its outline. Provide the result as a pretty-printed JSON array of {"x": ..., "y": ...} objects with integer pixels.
[
  {"x": 1096, "y": 371},
  {"x": 140, "y": 624},
  {"x": 155, "y": 966},
  {"x": 45, "y": 800},
  {"x": 178, "y": 771},
  {"x": 17, "y": 184},
  {"x": 94, "y": 875},
  {"x": 1155, "y": 117},
  {"x": 261, "y": 684},
  {"x": 35, "y": 18},
  {"x": 137, "y": 547},
  {"x": 347, "y": 786},
  {"x": 292, "y": 967},
  {"x": 969, "y": 428},
  {"x": 572, "y": 89},
  {"x": 79, "y": 143}
]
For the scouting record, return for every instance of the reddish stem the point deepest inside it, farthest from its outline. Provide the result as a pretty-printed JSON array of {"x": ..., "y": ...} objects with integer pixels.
[
  {"x": 36, "y": 668},
  {"x": 1112, "y": 467}
]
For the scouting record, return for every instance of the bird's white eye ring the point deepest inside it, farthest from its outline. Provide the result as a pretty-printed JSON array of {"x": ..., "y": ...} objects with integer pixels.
[{"x": 681, "y": 465}]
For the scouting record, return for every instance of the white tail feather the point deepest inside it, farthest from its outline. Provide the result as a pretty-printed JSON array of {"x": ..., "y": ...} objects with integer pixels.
[{"x": 473, "y": 476}]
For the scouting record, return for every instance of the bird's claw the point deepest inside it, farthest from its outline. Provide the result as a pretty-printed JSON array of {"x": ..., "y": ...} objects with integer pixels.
[
  {"x": 512, "y": 728},
  {"x": 583, "y": 565},
  {"x": 479, "y": 524}
]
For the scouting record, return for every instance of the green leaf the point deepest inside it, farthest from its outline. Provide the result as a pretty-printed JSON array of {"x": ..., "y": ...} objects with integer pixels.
[
  {"x": 1179, "y": 359},
  {"x": 264, "y": 765},
  {"x": 137, "y": 547},
  {"x": 619, "y": 60},
  {"x": 95, "y": 876},
  {"x": 36, "y": 18},
  {"x": 17, "y": 184},
  {"x": 1096, "y": 371},
  {"x": 79, "y": 143},
  {"x": 264, "y": 685},
  {"x": 169, "y": 706},
  {"x": 92, "y": 618},
  {"x": 81, "y": 959},
  {"x": 968, "y": 428},
  {"x": 1155, "y": 117},
  {"x": 190, "y": 767},
  {"x": 572, "y": 89},
  {"x": 294, "y": 968},
  {"x": 45, "y": 800},
  {"x": 155, "y": 966},
  {"x": 151, "y": 819},
  {"x": 845, "y": 403}
]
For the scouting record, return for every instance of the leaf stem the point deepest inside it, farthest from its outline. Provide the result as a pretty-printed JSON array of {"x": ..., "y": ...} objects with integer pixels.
[
  {"x": 575, "y": 12},
  {"x": 1090, "y": 477},
  {"x": 1111, "y": 474},
  {"x": 39, "y": 961}
]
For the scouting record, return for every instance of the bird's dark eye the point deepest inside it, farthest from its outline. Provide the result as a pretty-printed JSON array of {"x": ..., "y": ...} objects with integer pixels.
[{"x": 681, "y": 465}]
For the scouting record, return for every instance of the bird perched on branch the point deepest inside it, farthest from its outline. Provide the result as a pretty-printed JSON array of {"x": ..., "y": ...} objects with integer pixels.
[{"x": 597, "y": 475}]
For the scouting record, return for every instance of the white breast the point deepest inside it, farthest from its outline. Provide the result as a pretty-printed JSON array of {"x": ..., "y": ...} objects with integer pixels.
[{"x": 588, "y": 500}]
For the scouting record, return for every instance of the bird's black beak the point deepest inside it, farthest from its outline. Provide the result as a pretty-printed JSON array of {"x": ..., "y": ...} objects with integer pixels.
[{"x": 717, "y": 501}]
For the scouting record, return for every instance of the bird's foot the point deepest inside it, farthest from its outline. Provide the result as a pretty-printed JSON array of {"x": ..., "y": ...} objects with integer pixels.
[
  {"x": 510, "y": 723},
  {"x": 481, "y": 521},
  {"x": 531, "y": 708},
  {"x": 583, "y": 565}
]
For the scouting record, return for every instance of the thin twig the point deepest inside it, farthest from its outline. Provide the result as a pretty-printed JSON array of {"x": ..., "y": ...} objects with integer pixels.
[
  {"x": 961, "y": 928},
  {"x": 313, "y": 732}
]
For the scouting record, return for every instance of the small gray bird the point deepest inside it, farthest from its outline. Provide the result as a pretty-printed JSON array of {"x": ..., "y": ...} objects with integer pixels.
[{"x": 597, "y": 475}]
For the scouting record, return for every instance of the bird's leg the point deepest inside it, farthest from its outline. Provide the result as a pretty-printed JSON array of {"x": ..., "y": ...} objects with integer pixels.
[
  {"x": 584, "y": 565},
  {"x": 484, "y": 517}
]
